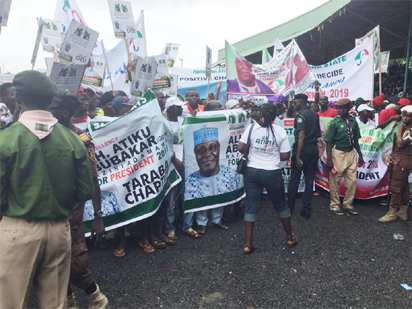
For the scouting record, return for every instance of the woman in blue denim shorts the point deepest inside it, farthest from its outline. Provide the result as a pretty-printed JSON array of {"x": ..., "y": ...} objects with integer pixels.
[{"x": 269, "y": 145}]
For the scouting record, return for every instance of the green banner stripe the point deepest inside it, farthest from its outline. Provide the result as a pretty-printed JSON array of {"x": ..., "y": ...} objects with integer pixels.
[
  {"x": 200, "y": 119},
  {"x": 135, "y": 211},
  {"x": 213, "y": 200}
]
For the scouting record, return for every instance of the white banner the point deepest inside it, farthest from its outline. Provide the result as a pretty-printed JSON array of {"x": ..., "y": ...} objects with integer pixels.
[
  {"x": 122, "y": 19},
  {"x": 195, "y": 77},
  {"x": 171, "y": 50},
  {"x": 162, "y": 77},
  {"x": 94, "y": 73},
  {"x": 67, "y": 76},
  {"x": 143, "y": 77},
  {"x": 78, "y": 44},
  {"x": 51, "y": 40},
  {"x": 347, "y": 76},
  {"x": 133, "y": 156}
]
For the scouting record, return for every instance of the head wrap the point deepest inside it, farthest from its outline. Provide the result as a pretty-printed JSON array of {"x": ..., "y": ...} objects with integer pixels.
[
  {"x": 379, "y": 99},
  {"x": 205, "y": 135}
]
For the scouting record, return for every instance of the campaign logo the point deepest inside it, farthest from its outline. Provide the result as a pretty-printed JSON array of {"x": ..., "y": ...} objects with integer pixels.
[{"x": 359, "y": 57}]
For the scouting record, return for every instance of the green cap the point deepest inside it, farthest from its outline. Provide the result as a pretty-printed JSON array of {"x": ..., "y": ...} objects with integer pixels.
[{"x": 34, "y": 83}]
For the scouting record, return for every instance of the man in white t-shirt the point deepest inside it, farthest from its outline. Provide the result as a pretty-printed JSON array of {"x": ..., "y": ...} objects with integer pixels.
[{"x": 366, "y": 115}]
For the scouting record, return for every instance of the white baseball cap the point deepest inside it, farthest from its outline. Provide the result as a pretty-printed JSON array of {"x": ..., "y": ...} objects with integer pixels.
[
  {"x": 173, "y": 101},
  {"x": 365, "y": 107}
]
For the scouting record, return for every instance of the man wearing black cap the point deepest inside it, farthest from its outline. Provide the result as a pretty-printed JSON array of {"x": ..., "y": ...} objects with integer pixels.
[
  {"x": 307, "y": 132},
  {"x": 63, "y": 107},
  {"x": 44, "y": 170}
]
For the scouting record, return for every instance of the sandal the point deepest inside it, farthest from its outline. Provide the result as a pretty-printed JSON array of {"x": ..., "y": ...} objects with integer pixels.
[
  {"x": 158, "y": 244},
  {"x": 191, "y": 232},
  {"x": 201, "y": 230},
  {"x": 293, "y": 242},
  {"x": 221, "y": 225},
  {"x": 172, "y": 236},
  {"x": 248, "y": 250},
  {"x": 119, "y": 253},
  {"x": 147, "y": 248},
  {"x": 167, "y": 240}
]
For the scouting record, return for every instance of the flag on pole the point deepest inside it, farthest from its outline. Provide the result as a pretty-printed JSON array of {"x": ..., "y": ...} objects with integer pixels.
[{"x": 266, "y": 57}]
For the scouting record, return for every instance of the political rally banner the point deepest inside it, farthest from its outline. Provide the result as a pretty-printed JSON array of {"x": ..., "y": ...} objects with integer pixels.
[
  {"x": 347, "y": 76},
  {"x": 195, "y": 77},
  {"x": 38, "y": 40},
  {"x": 210, "y": 158},
  {"x": 67, "y": 76},
  {"x": 133, "y": 156},
  {"x": 384, "y": 61},
  {"x": 374, "y": 36},
  {"x": 5, "y": 6},
  {"x": 78, "y": 44},
  {"x": 217, "y": 88},
  {"x": 143, "y": 77},
  {"x": 208, "y": 67},
  {"x": 117, "y": 58},
  {"x": 171, "y": 50},
  {"x": 122, "y": 19},
  {"x": 267, "y": 82},
  {"x": 94, "y": 73},
  {"x": 51, "y": 40},
  {"x": 372, "y": 178},
  {"x": 162, "y": 77}
]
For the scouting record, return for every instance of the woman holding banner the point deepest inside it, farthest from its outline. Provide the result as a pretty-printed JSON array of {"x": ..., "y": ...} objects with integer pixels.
[{"x": 269, "y": 145}]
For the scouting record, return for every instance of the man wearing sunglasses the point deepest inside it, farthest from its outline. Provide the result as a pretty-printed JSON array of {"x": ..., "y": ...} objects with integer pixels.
[{"x": 211, "y": 179}]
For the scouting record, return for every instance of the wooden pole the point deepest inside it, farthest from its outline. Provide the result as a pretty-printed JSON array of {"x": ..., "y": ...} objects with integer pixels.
[
  {"x": 276, "y": 46},
  {"x": 379, "y": 60},
  {"x": 129, "y": 59}
]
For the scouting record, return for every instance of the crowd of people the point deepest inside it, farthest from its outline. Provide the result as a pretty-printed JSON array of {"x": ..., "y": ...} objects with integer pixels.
[{"x": 42, "y": 206}]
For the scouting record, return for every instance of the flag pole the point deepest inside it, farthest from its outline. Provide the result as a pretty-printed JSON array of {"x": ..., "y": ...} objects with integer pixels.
[
  {"x": 379, "y": 60},
  {"x": 276, "y": 46},
  {"x": 128, "y": 50}
]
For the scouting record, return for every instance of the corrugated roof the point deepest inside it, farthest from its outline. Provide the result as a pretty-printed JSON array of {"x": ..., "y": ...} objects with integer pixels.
[{"x": 286, "y": 31}]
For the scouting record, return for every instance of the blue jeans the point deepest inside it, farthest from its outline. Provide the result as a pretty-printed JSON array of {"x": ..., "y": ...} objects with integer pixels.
[
  {"x": 187, "y": 221},
  {"x": 217, "y": 214},
  {"x": 255, "y": 180}
]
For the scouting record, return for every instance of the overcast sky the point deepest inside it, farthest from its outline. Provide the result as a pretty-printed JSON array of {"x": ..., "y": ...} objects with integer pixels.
[{"x": 192, "y": 23}]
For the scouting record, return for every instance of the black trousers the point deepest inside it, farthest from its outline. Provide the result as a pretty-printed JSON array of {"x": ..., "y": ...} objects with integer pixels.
[{"x": 309, "y": 157}]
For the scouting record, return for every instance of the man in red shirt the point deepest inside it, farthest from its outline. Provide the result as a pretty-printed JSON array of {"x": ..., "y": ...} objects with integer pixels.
[
  {"x": 390, "y": 114},
  {"x": 325, "y": 110}
]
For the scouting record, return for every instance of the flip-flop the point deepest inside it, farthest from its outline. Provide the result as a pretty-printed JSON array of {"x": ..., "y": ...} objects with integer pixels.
[
  {"x": 201, "y": 230},
  {"x": 172, "y": 236},
  {"x": 221, "y": 226},
  {"x": 158, "y": 244},
  {"x": 249, "y": 250},
  {"x": 147, "y": 248},
  {"x": 292, "y": 242},
  {"x": 119, "y": 253}
]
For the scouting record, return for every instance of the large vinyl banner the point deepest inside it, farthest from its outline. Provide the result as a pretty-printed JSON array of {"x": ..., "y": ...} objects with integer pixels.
[
  {"x": 133, "y": 155},
  {"x": 210, "y": 158},
  {"x": 347, "y": 76},
  {"x": 286, "y": 72},
  {"x": 372, "y": 178}
]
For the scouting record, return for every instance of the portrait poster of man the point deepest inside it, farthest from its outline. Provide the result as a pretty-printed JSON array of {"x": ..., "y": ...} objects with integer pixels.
[
  {"x": 122, "y": 20},
  {"x": 171, "y": 50},
  {"x": 162, "y": 77},
  {"x": 143, "y": 77},
  {"x": 51, "y": 40},
  {"x": 94, "y": 72},
  {"x": 210, "y": 158},
  {"x": 273, "y": 80},
  {"x": 78, "y": 44}
]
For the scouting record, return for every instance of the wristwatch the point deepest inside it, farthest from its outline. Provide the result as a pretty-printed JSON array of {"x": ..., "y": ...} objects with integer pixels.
[{"x": 98, "y": 214}]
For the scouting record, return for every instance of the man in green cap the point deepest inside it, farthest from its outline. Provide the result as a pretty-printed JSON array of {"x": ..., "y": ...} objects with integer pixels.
[{"x": 44, "y": 170}]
